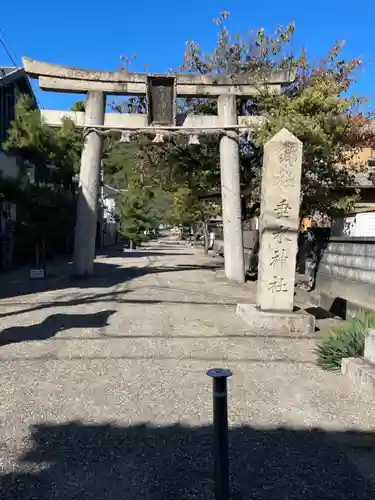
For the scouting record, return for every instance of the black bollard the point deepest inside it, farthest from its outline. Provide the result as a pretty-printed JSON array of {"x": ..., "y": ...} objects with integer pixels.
[{"x": 220, "y": 414}]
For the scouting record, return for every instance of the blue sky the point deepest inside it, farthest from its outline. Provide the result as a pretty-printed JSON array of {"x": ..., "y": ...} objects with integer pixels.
[{"x": 93, "y": 35}]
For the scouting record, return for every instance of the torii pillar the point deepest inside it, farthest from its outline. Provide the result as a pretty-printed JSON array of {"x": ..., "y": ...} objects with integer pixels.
[
  {"x": 89, "y": 179},
  {"x": 230, "y": 191}
]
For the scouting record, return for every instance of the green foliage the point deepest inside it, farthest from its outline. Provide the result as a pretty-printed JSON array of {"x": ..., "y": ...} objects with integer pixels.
[
  {"x": 192, "y": 183},
  {"x": 27, "y": 136},
  {"x": 318, "y": 108},
  {"x": 318, "y": 111},
  {"x": 31, "y": 139},
  {"x": 171, "y": 171},
  {"x": 78, "y": 106},
  {"x": 120, "y": 162},
  {"x": 344, "y": 341},
  {"x": 10, "y": 189},
  {"x": 190, "y": 210},
  {"x": 46, "y": 207},
  {"x": 138, "y": 209}
]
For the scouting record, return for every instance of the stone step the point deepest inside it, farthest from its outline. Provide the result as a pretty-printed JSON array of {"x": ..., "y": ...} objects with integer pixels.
[
  {"x": 251, "y": 349},
  {"x": 369, "y": 353},
  {"x": 361, "y": 373}
]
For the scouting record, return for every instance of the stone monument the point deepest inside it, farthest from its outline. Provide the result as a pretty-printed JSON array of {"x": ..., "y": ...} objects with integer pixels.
[{"x": 279, "y": 226}]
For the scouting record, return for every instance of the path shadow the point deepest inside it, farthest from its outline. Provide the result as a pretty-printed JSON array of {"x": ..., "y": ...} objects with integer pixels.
[
  {"x": 105, "y": 275},
  {"x": 111, "y": 297},
  {"x": 339, "y": 307},
  {"x": 87, "y": 462},
  {"x": 52, "y": 325},
  {"x": 319, "y": 312},
  {"x": 168, "y": 248},
  {"x": 134, "y": 254}
]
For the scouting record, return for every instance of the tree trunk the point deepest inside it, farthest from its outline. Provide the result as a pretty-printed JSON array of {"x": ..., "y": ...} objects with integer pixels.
[{"x": 206, "y": 237}]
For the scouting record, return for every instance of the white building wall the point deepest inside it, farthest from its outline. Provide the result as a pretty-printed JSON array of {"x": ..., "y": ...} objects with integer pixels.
[
  {"x": 359, "y": 225},
  {"x": 109, "y": 236}
]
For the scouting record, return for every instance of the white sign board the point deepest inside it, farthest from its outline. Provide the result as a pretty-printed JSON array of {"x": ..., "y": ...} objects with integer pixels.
[{"x": 36, "y": 274}]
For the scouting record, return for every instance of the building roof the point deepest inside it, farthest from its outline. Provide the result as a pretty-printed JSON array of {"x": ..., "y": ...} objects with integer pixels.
[
  {"x": 12, "y": 74},
  {"x": 6, "y": 70}
]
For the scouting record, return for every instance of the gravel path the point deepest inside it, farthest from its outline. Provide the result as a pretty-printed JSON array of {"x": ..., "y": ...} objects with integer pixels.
[{"x": 104, "y": 393}]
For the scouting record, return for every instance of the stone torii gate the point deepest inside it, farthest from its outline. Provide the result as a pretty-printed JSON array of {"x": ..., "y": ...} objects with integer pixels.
[{"x": 162, "y": 91}]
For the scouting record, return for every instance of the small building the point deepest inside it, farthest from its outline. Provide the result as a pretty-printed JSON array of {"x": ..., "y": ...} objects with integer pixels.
[
  {"x": 107, "y": 228},
  {"x": 361, "y": 221},
  {"x": 13, "y": 83},
  {"x": 346, "y": 270}
]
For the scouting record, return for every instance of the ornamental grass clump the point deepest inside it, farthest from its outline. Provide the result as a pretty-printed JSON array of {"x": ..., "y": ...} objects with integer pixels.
[{"x": 344, "y": 341}]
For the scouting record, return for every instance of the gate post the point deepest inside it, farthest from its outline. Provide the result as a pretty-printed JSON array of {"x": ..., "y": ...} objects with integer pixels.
[
  {"x": 89, "y": 177},
  {"x": 230, "y": 191}
]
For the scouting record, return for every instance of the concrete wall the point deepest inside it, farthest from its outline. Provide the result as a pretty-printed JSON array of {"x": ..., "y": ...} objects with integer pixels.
[{"x": 347, "y": 270}]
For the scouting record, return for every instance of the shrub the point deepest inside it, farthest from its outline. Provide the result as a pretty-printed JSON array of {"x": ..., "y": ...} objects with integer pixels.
[{"x": 344, "y": 341}]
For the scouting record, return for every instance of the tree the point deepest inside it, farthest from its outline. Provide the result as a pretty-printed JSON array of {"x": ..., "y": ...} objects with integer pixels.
[
  {"x": 27, "y": 136},
  {"x": 317, "y": 108},
  {"x": 46, "y": 207},
  {"x": 190, "y": 210},
  {"x": 33, "y": 140},
  {"x": 192, "y": 183},
  {"x": 139, "y": 209},
  {"x": 120, "y": 163},
  {"x": 78, "y": 106}
]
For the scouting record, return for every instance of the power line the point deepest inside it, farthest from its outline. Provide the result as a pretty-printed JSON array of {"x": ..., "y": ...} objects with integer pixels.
[
  {"x": 17, "y": 66},
  {"x": 9, "y": 54},
  {"x": 4, "y": 41}
]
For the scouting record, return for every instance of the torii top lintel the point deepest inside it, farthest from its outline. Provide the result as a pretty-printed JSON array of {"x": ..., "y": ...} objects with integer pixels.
[{"x": 54, "y": 77}]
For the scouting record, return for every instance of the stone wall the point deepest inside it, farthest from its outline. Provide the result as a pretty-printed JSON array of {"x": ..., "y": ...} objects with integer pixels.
[{"x": 346, "y": 271}]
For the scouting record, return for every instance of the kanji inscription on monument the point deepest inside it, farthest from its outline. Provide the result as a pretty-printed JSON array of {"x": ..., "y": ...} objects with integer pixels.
[
  {"x": 285, "y": 176},
  {"x": 279, "y": 222}
]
